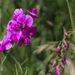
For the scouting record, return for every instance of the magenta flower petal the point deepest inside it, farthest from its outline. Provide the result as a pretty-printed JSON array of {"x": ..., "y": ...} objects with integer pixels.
[
  {"x": 27, "y": 11},
  {"x": 27, "y": 41},
  {"x": 14, "y": 38},
  {"x": 12, "y": 24},
  {"x": 1, "y": 48},
  {"x": 8, "y": 45},
  {"x": 21, "y": 40},
  {"x": 33, "y": 13},
  {"x": 17, "y": 12},
  {"x": 31, "y": 34},
  {"x": 33, "y": 29},
  {"x": 28, "y": 20},
  {"x": 21, "y": 18},
  {"x": 34, "y": 10}
]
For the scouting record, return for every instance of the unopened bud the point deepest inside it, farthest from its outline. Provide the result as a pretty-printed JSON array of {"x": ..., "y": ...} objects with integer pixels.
[
  {"x": 57, "y": 71},
  {"x": 62, "y": 55},
  {"x": 61, "y": 64},
  {"x": 58, "y": 49},
  {"x": 65, "y": 50},
  {"x": 54, "y": 64},
  {"x": 65, "y": 44}
]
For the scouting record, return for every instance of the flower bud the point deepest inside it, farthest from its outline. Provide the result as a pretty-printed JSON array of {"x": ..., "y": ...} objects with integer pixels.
[
  {"x": 61, "y": 64},
  {"x": 65, "y": 49},
  {"x": 57, "y": 71},
  {"x": 54, "y": 64},
  {"x": 62, "y": 55},
  {"x": 58, "y": 49},
  {"x": 65, "y": 44}
]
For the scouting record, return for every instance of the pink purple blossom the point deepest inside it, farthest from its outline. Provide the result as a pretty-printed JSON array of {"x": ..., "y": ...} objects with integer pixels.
[
  {"x": 19, "y": 30},
  {"x": 6, "y": 43},
  {"x": 33, "y": 13}
]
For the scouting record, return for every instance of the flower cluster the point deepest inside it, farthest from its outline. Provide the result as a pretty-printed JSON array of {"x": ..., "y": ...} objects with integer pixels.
[
  {"x": 62, "y": 48},
  {"x": 19, "y": 29}
]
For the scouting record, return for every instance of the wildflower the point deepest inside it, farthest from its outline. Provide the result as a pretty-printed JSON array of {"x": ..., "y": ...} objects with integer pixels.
[
  {"x": 6, "y": 43},
  {"x": 57, "y": 71},
  {"x": 12, "y": 32},
  {"x": 17, "y": 12},
  {"x": 25, "y": 20},
  {"x": 23, "y": 39},
  {"x": 33, "y": 13},
  {"x": 65, "y": 60},
  {"x": 65, "y": 49}
]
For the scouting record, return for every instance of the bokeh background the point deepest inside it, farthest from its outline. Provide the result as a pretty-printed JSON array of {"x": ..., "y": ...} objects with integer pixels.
[{"x": 37, "y": 57}]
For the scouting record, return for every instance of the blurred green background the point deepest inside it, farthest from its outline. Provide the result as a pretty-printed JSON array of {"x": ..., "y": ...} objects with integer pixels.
[{"x": 37, "y": 57}]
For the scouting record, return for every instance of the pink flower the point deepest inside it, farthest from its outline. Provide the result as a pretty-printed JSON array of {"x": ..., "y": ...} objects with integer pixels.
[
  {"x": 54, "y": 64},
  {"x": 58, "y": 49},
  {"x": 33, "y": 13},
  {"x": 12, "y": 30},
  {"x": 65, "y": 44},
  {"x": 17, "y": 12},
  {"x": 57, "y": 71},
  {"x": 6, "y": 43},
  {"x": 25, "y": 20},
  {"x": 61, "y": 64}
]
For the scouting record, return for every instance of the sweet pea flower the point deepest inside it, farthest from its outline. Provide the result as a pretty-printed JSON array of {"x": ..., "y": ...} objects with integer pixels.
[
  {"x": 29, "y": 31},
  {"x": 17, "y": 12},
  {"x": 12, "y": 30},
  {"x": 6, "y": 43},
  {"x": 23, "y": 39},
  {"x": 33, "y": 13},
  {"x": 25, "y": 20}
]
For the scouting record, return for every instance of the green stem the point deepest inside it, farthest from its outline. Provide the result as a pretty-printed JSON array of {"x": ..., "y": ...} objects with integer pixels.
[
  {"x": 5, "y": 58},
  {"x": 71, "y": 17}
]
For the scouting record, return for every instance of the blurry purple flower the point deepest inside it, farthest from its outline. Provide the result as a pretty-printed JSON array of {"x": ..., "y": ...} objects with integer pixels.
[
  {"x": 33, "y": 13},
  {"x": 57, "y": 71},
  {"x": 65, "y": 44},
  {"x": 54, "y": 64},
  {"x": 17, "y": 12},
  {"x": 58, "y": 49},
  {"x": 65, "y": 50},
  {"x": 6, "y": 43},
  {"x": 61, "y": 64},
  {"x": 62, "y": 55},
  {"x": 65, "y": 60}
]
